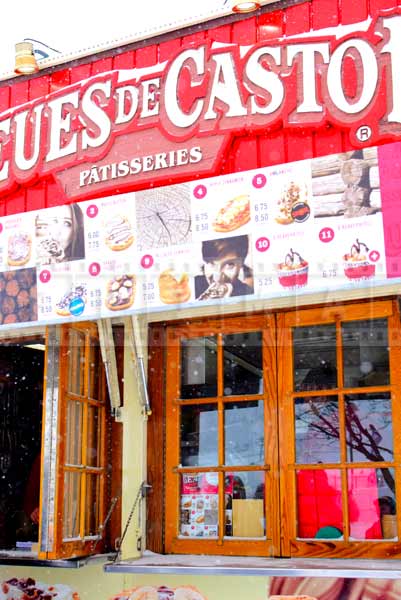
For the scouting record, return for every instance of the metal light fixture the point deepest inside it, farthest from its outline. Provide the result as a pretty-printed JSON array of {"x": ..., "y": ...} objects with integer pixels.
[
  {"x": 240, "y": 6},
  {"x": 25, "y": 61}
]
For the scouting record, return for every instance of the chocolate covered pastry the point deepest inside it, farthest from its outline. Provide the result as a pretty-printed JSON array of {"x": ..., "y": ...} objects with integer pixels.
[
  {"x": 50, "y": 251},
  {"x": 119, "y": 233},
  {"x": 217, "y": 290},
  {"x": 120, "y": 292}
]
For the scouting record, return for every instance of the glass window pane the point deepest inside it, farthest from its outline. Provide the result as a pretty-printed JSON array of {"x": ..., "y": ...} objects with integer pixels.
[
  {"x": 368, "y": 421},
  {"x": 199, "y": 435},
  {"x": 76, "y": 362},
  {"x": 74, "y": 433},
  {"x": 366, "y": 353},
  {"x": 243, "y": 363},
  {"x": 371, "y": 504},
  {"x": 245, "y": 506},
  {"x": 244, "y": 433},
  {"x": 199, "y": 505},
  {"x": 94, "y": 370},
  {"x": 319, "y": 504},
  {"x": 315, "y": 358},
  {"x": 317, "y": 430},
  {"x": 72, "y": 500},
  {"x": 199, "y": 367},
  {"x": 93, "y": 440},
  {"x": 92, "y": 504}
]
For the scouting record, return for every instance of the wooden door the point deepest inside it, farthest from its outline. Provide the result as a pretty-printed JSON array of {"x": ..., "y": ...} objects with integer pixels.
[
  {"x": 340, "y": 392},
  {"x": 221, "y": 425}
]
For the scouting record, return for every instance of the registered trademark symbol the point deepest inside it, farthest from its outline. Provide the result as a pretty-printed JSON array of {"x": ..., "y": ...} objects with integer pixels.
[{"x": 364, "y": 133}]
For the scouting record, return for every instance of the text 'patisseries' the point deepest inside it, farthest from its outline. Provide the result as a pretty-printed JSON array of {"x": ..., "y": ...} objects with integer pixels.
[{"x": 209, "y": 90}]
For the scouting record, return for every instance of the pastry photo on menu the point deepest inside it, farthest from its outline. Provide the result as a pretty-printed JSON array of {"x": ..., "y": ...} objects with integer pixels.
[
  {"x": 19, "y": 249},
  {"x": 59, "y": 235},
  {"x": 118, "y": 233},
  {"x": 120, "y": 292},
  {"x": 293, "y": 271},
  {"x": 174, "y": 287},
  {"x": 233, "y": 214},
  {"x": 226, "y": 270},
  {"x": 356, "y": 262},
  {"x": 293, "y": 203},
  {"x": 72, "y": 302}
]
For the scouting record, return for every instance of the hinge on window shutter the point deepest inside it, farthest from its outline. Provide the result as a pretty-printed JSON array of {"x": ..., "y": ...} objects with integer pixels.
[
  {"x": 137, "y": 357},
  {"x": 110, "y": 364}
]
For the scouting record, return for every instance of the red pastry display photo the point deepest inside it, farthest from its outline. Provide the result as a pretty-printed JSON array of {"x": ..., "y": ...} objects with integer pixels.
[
  {"x": 293, "y": 272},
  {"x": 357, "y": 264}
]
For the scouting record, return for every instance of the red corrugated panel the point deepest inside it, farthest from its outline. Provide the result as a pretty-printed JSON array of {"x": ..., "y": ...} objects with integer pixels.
[
  {"x": 145, "y": 57},
  {"x": 352, "y": 12},
  {"x": 273, "y": 149},
  {"x": 328, "y": 140},
  {"x": 324, "y": 13},
  {"x": 297, "y": 18},
  {"x": 54, "y": 194},
  {"x": 221, "y": 34},
  {"x": 244, "y": 32},
  {"x": 4, "y": 98},
  {"x": 245, "y": 154},
  {"x": 376, "y": 5},
  {"x": 59, "y": 80},
  {"x": 270, "y": 26},
  {"x": 196, "y": 38},
  {"x": 16, "y": 202},
  {"x": 80, "y": 73},
  {"x": 124, "y": 61},
  {"x": 168, "y": 49},
  {"x": 38, "y": 87},
  {"x": 102, "y": 66},
  {"x": 19, "y": 93},
  {"x": 36, "y": 196},
  {"x": 300, "y": 145}
]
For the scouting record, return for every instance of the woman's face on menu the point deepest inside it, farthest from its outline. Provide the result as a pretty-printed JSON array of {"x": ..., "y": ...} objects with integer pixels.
[{"x": 56, "y": 225}]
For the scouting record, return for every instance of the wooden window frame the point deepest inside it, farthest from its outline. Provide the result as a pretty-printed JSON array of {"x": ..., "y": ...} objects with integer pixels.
[
  {"x": 163, "y": 467},
  {"x": 109, "y": 442}
]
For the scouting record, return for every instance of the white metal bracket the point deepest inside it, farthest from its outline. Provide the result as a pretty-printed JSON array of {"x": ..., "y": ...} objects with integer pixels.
[{"x": 107, "y": 350}]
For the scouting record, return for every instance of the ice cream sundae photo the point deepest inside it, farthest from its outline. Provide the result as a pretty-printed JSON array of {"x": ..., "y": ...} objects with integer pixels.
[
  {"x": 357, "y": 264},
  {"x": 293, "y": 272}
]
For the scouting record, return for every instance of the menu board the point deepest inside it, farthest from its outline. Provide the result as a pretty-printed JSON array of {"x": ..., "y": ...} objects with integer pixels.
[{"x": 302, "y": 227}]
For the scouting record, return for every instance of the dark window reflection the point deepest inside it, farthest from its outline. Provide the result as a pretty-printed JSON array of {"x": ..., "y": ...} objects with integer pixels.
[
  {"x": 199, "y": 435},
  {"x": 369, "y": 427},
  {"x": 366, "y": 353},
  {"x": 372, "y": 504},
  {"x": 315, "y": 357},
  {"x": 243, "y": 363},
  {"x": 199, "y": 367},
  {"x": 243, "y": 433},
  {"x": 317, "y": 430}
]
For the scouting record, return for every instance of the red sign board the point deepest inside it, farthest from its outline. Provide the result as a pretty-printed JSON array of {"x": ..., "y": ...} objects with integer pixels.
[{"x": 132, "y": 127}]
